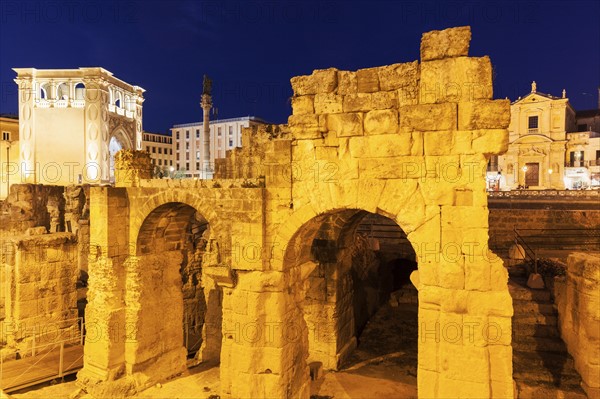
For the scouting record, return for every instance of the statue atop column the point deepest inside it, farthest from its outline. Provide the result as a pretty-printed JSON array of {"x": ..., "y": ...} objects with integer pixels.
[{"x": 207, "y": 85}]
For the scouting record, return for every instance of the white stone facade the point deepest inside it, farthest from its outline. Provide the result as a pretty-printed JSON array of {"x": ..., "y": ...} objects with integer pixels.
[
  {"x": 72, "y": 121},
  {"x": 225, "y": 134}
]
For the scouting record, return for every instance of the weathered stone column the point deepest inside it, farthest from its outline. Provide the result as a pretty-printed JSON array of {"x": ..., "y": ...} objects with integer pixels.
[
  {"x": 104, "y": 360},
  {"x": 131, "y": 166}
]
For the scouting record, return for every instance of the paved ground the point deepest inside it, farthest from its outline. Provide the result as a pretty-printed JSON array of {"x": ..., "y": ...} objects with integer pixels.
[{"x": 383, "y": 366}]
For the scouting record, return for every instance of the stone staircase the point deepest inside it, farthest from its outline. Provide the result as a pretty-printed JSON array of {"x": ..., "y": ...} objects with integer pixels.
[{"x": 542, "y": 367}]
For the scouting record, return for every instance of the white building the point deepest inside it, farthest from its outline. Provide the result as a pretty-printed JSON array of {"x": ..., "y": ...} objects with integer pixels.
[
  {"x": 225, "y": 134},
  {"x": 160, "y": 148},
  {"x": 72, "y": 122}
]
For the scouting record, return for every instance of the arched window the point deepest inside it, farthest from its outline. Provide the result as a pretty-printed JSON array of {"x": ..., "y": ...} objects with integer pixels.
[
  {"x": 79, "y": 91},
  {"x": 62, "y": 92},
  {"x": 44, "y": 91},
  {"x": 118, "y": 99}
]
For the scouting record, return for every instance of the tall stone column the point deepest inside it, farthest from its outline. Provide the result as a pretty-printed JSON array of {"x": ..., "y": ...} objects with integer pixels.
[
  {"x": 104, "y": 359},
  {"x": 206, "y": 106}
]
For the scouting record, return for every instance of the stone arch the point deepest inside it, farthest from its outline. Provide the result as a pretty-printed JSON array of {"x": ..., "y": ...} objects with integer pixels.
[
  {"x": 118, "y": 140},
  {"x": 162, "y": 197},
  {"x": 309, "y": 247},
  {"x": 165, "y": 270}
]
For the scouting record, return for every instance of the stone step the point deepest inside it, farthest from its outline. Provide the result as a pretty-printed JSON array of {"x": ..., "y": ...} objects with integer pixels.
[
  {"x": 534, "y": 319},
  {"x": 537, "y": 360},
  {"x": 521, "y": 292},
  {"x": 535, "y": 330},
  {"x": 525, "y": 307},
  {"x": 538, "y": 344},
  {"x": 539, "y": 390}
]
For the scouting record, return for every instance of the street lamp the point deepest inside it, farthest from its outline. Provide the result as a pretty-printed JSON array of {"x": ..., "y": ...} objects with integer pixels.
[
  {"x": 171, "y": 170},
  {"x": 524, "y": 168},
  {"x": 550, "y": 171}
]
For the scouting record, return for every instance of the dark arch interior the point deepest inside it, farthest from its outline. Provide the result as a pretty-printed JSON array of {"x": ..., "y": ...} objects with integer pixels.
[
  {"x": 359, "y": 289},
  {"x": 177, "y": 228}
]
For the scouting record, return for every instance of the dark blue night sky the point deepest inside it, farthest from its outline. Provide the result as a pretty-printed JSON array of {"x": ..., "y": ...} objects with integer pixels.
[{"x": 251, "y": 49}]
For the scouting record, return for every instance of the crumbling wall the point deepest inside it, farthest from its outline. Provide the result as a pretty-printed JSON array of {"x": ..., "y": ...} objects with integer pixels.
[
  {"x": 577, "y": 297},
  {"x": 36, "y": 281},
  {"x": 41, "y": 300}
]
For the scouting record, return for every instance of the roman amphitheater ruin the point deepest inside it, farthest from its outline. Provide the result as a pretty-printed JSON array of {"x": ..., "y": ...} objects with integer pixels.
[{"x": 265, "y": 263}]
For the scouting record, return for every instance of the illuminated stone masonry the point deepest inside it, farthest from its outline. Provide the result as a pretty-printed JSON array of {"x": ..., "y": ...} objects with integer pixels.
[{"x": 268, "y": 239}]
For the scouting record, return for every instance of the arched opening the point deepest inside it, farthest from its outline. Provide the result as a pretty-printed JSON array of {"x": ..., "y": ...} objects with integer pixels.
[
  {"x": 114, "y": 146},
  {"x": 176, "y": 310},
  {"x": 118, "y": 97},
  {"x": 62, "y": 92},
  {"x": 44, "y": 91},
  {"x": 359, "y": 305},
  {"x": 79, "y": 91}
]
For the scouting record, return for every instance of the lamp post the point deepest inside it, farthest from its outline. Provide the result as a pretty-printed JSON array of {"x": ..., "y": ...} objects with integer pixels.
[{"x": 171, "y": 170}]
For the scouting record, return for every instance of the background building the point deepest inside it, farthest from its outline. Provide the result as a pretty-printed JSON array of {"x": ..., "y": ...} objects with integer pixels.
[
  {"x": 73, "y": 121},
  {"x": 9, "y": 152},
  {"x": 160, "y": 148},
  {"x": 546, "y": 150},
  {"x": 225, "y": 134}
]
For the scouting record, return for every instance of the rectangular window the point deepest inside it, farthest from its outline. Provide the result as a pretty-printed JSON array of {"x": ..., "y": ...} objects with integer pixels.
[
  {"x": 159, "y": 150},
  {"x": 197, "y": 165},
  {"x": 147, "y": 148},
  {"x": 171, "y": 151},
  {"x": 178, "y": 166},
  {"x": 230, "y": 142},
  {"x": 177, "y": 146},
  {"x": 177, "y": 158},
  {"x": 197, "y": 133},
  {"x": 187, "y": 134},
  {"x": 576, "y": 159},
  {"x": 171, "y": 162},
  {"x": 160, "y": 162},
  {"x": 177, "y": 135},
  {"x": 597, "y": 155},
  {"x": 197, "y": 154},
  {"x": 187, "y": 146},
  {"x": 5, "y": 136},
  {"x": 154, "y": 150},
  {"x": 533, "y": 122},
  {"x": 230, "y": 130},
  {"x": 187, "y": 166},
  {"x": 187, "y": 155},
  {"x": 218, "y": 131}
]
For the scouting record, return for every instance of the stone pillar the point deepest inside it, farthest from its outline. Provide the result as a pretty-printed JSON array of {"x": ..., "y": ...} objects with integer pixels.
[
  {"x": 139, "y": 100},
  {"x": 206, "y": 106},
  {"x": 96, "y": 166},
  {"x": 104, "y": 359},
  {"x": 131, "y": 166}
]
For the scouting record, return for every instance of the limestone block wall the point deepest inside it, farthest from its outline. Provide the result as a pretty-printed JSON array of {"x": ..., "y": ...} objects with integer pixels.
[
  {"x": 578, "y": 301},
  {"x": 527, "y": 212},
  {"x": 408, "y": 141},
  {"x": 41, "y": 272}
]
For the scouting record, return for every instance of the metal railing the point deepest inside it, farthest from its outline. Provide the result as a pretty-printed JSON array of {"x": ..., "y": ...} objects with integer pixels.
[
  {"x": 533, "y": 241},
  {"x": 36, "y": 354}
]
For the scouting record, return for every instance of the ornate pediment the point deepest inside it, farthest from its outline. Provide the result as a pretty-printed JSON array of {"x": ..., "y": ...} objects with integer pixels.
[{"x": 531, "y": 151}]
